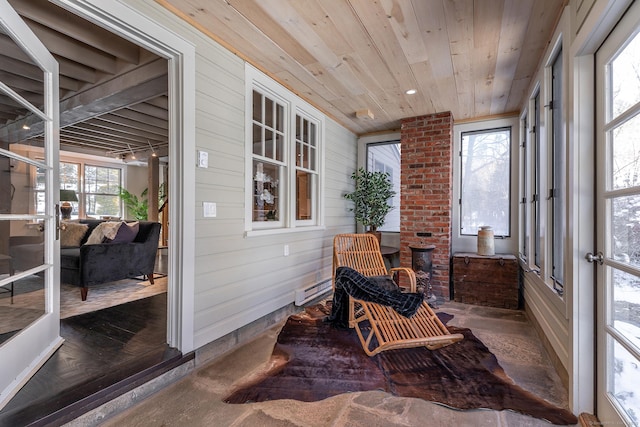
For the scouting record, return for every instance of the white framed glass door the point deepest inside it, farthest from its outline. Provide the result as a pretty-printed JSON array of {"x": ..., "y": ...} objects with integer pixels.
[
  {"x": 618, "y": 223},
  {"x": 29, "y": 253}
]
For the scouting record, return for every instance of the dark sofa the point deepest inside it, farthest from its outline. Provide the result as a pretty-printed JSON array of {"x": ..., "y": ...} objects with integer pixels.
[{"x": 106, "y": 262}]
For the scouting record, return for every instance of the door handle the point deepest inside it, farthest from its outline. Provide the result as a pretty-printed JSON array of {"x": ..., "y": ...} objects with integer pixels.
[
  {"x": 57, "y": 221},
  {"x": 598, "y": 257}
]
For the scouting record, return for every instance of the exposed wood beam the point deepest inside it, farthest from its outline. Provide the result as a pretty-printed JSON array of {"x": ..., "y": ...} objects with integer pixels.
[
  {"x": 69, "y": 48},
  {"x": 134, "y": 115},
  {"x": 138, "y": 129},
  {"x": 67, "y": 23},
  {"x": 126, "y": 90},
  {"x": 125, "y": 122}
]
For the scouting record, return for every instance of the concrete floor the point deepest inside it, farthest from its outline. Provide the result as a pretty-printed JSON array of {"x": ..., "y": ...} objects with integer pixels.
[{"x": 195, "y": 400}]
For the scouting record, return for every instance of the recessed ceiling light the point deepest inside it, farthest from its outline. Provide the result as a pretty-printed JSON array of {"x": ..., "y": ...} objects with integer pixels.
[
  {"x": 25, "y": 127},
  {"x": 411, "y": 91}
]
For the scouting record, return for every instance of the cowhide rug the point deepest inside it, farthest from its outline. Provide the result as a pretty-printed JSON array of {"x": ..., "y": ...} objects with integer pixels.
[{"x": 312, "y": 361}]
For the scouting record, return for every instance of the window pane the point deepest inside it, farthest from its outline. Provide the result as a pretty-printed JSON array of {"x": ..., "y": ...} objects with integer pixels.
[
  {"x": 268, "y": 144},
  {"x": 257, "y": 106},
  {"x": 558, "y": 165},
  {"x": 304, "y": 195},
  {"x": 266, "y": 191},
  {"x": 69, "y": 176},
  {"x": 280, "y": 118},
  {"x": 624, "y": 377},
  {"x": 625, "y": 229},
  {"x": 386, "y": 158},
  {"x": 625, "y": 79},
  {"x": 624, "y": 141},
  {"x": 257, "y": 140},
  {"x": 101, "y": 180},
  {"x": 626, "y": 300},
  {"x": 28, "y": 300},
  {"x": 101, "y": 205},
  {"x": 279, "y": 147},
  {"x": 485, "y": 189},
  {"x": 268, "y": 112}
]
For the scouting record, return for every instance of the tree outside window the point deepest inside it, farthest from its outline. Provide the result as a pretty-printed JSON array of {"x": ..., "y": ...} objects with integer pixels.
[{"x": 485, "y": 182}]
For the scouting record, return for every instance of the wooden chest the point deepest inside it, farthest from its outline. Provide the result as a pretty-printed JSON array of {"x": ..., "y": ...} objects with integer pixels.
[{"x": 486, "y": 280}]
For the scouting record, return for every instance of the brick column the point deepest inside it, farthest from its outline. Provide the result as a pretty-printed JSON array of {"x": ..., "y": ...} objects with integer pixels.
[{"x": 426, "y": 191}]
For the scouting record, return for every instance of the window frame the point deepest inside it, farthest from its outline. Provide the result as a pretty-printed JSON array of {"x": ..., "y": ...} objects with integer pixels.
[
  {"x": 81, "y": 160},
  {"x": 294, "y": 107},
  {"x": 84, "y": 194},
  {"x": 397, "y": 176},
  {"x": 468, "y": 243},
  {"x": 480, "y": 131},
  {"x": 557, "y": 169}
]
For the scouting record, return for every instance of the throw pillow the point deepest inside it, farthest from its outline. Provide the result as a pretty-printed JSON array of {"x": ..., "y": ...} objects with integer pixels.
[
  {"x": 71, "y": 234},
  {"x": 126, "y": 233},
  {"x": 104, "y": 230}
]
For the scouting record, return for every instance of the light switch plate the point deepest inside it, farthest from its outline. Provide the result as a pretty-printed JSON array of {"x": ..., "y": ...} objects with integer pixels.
[
  {"x": 203, "y": 159},
  {"x": 209, "y": 209}
]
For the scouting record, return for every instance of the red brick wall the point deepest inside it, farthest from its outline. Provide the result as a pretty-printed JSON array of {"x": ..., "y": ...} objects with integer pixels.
[{"x": 426, "y": 191}]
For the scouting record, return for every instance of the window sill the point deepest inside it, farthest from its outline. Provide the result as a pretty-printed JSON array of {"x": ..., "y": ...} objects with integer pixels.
[{"x": 275, "y": 231}]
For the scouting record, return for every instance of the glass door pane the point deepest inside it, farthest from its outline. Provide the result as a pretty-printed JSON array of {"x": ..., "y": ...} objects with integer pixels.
[{"x": 29, "y": 257}]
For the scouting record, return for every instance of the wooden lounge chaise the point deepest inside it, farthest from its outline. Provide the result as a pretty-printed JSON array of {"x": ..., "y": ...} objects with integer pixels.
[{"x": 380, "y": 327}]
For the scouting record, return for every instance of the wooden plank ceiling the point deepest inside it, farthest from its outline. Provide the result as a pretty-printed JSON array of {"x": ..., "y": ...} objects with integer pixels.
[
  {"x": 474, "y": 58},
  {"x": 113, "y": 94}
]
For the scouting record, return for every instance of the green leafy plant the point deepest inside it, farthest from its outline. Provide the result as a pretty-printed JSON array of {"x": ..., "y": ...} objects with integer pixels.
[
  {"x": 137, "y": 206},
  {"x": 371, "y": 198}
]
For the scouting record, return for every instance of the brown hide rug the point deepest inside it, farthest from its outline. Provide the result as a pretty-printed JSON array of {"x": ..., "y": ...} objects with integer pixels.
[{"x": 312, "y": 361}]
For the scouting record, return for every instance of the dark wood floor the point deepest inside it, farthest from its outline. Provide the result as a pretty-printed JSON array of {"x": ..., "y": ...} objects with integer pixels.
[{"x": 104, "y": 353}]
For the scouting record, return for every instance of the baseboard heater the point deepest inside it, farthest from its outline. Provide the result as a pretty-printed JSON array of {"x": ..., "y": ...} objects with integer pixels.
[{"x": 305, "y": 295}]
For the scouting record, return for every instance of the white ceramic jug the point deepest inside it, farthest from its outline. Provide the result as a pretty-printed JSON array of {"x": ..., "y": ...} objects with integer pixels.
[{"x": 486, "y": 245}]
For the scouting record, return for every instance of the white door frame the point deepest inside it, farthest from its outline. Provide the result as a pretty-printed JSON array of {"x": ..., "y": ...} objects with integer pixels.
[
  {"x": 600, "y": 21},
  {"x": 131, "y": 24}
]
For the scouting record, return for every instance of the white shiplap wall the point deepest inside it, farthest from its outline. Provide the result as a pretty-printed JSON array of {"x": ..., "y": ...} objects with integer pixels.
[{"x": 240, "y": 279}]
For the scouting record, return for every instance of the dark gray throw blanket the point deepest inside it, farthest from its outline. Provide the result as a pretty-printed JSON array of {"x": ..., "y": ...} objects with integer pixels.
[{"x": 350, "y": 282}]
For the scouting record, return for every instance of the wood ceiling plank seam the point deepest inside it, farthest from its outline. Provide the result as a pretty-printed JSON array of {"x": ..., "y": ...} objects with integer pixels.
[
  {"x": 309, "y": 94},
  {"x": 459, "y": 22},
  {"x": 73, "y": 50},
  {"x": 539, "y": 32},
  {"x": 253, "y": 12},
  {"x": 69, "y": 24},
  {"x": 430, "y": 90},
  {"x": 221, "y": 22},
  {"x": 511, "y": 41},
  {"x": 312, "y": 11},
  {"x": 386, "y": 44},
  {"x": 402, "y": 18},
  {"x": 433, "y": 24},
  {"x": 294, "y": 24},
  {"x": 487, "y": 19}
]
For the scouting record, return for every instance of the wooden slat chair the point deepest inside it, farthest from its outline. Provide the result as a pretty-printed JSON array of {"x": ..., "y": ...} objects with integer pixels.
[{"x": 379, "y": 327}]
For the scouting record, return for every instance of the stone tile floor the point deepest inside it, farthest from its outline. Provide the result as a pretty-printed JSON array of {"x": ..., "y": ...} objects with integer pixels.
[{"x": 195, "y": 400}]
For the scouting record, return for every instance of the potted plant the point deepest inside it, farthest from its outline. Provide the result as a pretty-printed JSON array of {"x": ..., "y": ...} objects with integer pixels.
[
  {"x": 371, "y": 198},
  {"x": 137, "y": 206}
]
